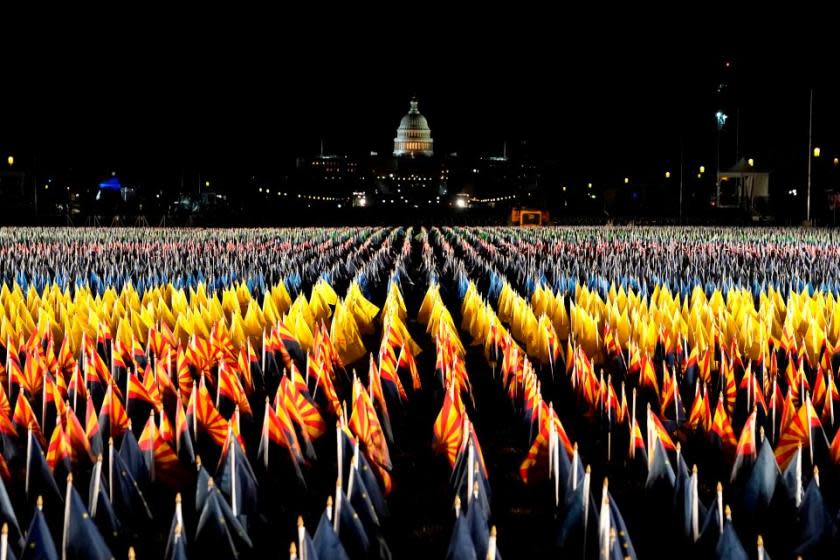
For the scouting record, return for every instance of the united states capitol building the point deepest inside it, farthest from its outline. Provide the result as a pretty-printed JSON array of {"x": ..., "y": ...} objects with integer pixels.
[
  {"x": 414, "y": 137},
  {"x": 413, "y": 173}
]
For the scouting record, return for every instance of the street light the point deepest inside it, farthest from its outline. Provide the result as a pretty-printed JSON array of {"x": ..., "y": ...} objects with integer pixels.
[
  {"x": 751, "y": 162},
  {"x": 702, "y": 169},
  {"x": 626, "y": 180},
  {"x": 10, "y": 160},
  {"x": 667, "y": 174},
  {"x": 836, "y": 161},
  {"x": 817, "y": 151}
]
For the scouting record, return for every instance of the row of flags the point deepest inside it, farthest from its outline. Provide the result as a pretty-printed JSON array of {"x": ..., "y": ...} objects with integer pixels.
[
  {"x": 454, "y": 436},
  {"x": 188, "y": 399},
  {"x": 680, "y": 259},
  {"x": 796, "y": 429},
  {"x": 551, "y": 454},
  {"x": 217, "y": 259},
  {"x": 135, "y": 385}
]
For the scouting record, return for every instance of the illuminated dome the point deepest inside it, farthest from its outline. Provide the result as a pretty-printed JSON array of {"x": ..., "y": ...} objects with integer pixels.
[{"x": 414, "y": 138}]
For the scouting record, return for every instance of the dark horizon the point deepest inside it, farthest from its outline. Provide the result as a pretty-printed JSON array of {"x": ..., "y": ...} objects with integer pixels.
[{"x": 597, "y": 107}]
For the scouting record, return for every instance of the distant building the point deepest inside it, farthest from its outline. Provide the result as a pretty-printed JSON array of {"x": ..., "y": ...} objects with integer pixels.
[
  {"x": 330, "y": 173},
  {"x": 414, "y": 137},
  {"x": 413, "y": 175}
]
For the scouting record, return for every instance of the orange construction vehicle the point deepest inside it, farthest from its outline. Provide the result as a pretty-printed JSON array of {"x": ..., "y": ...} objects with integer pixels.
[{"x": 528, "y": 217}]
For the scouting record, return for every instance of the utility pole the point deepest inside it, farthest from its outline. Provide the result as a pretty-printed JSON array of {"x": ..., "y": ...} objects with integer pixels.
[
  {"x": 810, "y": 155},
  {"x": 681, "y": 180}
]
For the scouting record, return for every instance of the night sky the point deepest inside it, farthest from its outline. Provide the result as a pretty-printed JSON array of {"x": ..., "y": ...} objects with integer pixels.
[{"x": 247, "y": 93}]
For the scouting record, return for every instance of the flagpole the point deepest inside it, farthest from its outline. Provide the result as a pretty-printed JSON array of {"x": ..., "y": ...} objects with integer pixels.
[
  {"x": 264, "y": 436},
  {"x": 301, "y": 530},
  {"x": 232, "y": 450},
  {"x": 695, "y": 508},
  {"x": 337, "y": 512},
  {"x": 609, "y": 420},
  {"x": 43, "y": 400},
  {"x": 810, "y": 154},
  {"x": 219, "y": 384},
  {"x": 9, "y": 361},
  {"x": 76, "y": 385},
  {"x": 810, "y": 435},
  {"x": 110, "y": 466},
  {"x": 97, "y": 482},
  {"x": 339, "y": 450},
  {"x": 4, "y": 542},
  {"x": 263, "y": 351},
  {"x": 773, "y": 423},
  {"x": 585, "y": 497},
  {"x": 470, "y": 470},
  {"x": 66, "y": 531},
  {"x": 28, "y": 458}
]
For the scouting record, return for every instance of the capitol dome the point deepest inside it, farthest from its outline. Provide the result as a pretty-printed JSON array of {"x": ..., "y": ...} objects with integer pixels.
[{"x": 414, "y": 138}]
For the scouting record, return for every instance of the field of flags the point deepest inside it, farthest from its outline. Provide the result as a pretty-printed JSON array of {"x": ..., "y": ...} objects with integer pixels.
[{"x": 459, "y": 393}]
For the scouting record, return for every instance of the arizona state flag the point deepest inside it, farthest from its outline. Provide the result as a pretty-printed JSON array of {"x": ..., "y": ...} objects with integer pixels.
[
  {"x": 33, "y": 373},
  {"x": 539, "y": 447},
  {"x": 76, "y": 436},
  {"x": 799, "y": 431},
  {"x": 406, "y": 361},
  {"x": 159, "y": 456},
  {"x": 313, "y": 423},
  {"x": 647, "y": 376},
  {"x": 722, "y": 428},
  {"x": 448, "y": 427},
  {"x": 160, "y": 382},
  {"x": 24, "y": 417},
  {"x": 730, "y": 391},
  {"x": 746, "y": 450},
  {"x": 788, "y": 411},
  {"x": 247, "y": 362},
  {"x": 185, "y": 378},
  {"x": 701, "y": 414},
  {"x": 365, "y": 424},
  {"x": 705, "y": 366},
  {"x": 5, "y": 405},
  {"x": 183, "y": 441},
  {"x": 655, "y": 426},
  {"x": 98, "y": 371},
  {"x": 231, "y": 389},
  {"x": 315, "y": 370},
  {"x": 112, "y": 414},
  {"x": 137, "y": 391},
  {"x": 7, "y": 427},
  {"x": 279, "y": 429},
  {"x": 834, "y": 450},
  {"x": 208, "y": 416},
  {"x": 388, "y": 370},
  {"x": 610, "y": 344},
  {"x": 92, "y": 433},
  {"x": 59, "y": 449},
  {"x": 76, "y": 387}
]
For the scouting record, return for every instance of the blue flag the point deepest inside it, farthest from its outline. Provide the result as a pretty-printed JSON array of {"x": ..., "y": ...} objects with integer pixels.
[
  {"x": 326, "y": 541},
  {"x": 39, "y": 543},
  {"x": 82, "y": 539}
]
